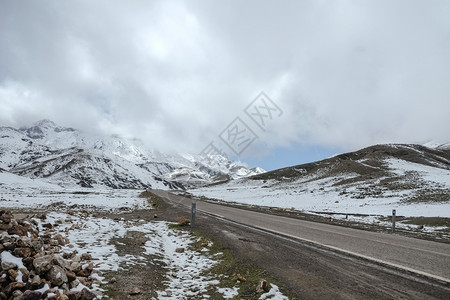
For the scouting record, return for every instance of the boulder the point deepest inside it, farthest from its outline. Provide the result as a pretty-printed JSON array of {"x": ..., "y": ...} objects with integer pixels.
[
  {"x": 263, "y": 286},
  {"x": 31, "y": 295},
  {"x": 36, "y": 282},
  {"x": 28, "y": 262},
  {"x": 84, "y": 273},
  {"x": 14, "y": 286},
  {"x": 5, "y": 216},
  {"x": 43, "y": 264},
  {"x": 57, "y": 275},
  {"x": 13, "y": 274},
  {"x": 134, "y": 291},
  {"x": 62, "y": 241},
  {"x": 18, "y": 230},
  {"x": 63, "y": 263},
  {"x": 17, "y": 293},
  {"x": 74, "y": 295},
  {"x": 22, "y": 252},
  {"x": 6, "y": 265},
  {"x": 9, "y": 246},
  {"x": 87, "y": 294},
  {"x": 71, "y": 276},
  {"x": 24, "y": 241},
  {"x": 86, "y": 256}
]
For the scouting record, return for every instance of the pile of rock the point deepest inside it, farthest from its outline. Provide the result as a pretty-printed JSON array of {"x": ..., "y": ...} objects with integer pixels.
[{"x": 33, "y": 267}]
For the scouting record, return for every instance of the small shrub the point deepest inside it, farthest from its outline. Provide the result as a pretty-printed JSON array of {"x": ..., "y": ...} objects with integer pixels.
[{"x": 183, "y": 221}]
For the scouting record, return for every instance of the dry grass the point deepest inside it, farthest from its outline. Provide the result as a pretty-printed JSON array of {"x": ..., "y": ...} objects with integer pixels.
[{"x": 183, "y": 221}]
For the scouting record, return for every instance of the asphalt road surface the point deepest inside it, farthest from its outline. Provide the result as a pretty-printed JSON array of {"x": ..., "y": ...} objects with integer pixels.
[{"x": 431, "y": 259}]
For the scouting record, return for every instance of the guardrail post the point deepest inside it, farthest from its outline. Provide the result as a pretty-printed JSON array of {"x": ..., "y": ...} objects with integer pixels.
[
  {"x": 393, "y": 220},
  {"x": 193, "y": 211}
]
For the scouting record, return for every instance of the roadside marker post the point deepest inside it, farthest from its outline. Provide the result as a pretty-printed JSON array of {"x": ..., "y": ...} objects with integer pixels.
[
  {"x": 393, "y": 220},
  {"x": 193, "y": 212}
]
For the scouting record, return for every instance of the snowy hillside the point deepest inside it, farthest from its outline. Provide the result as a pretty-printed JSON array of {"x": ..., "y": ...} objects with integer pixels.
[
  {"x": 413, "y": 179},
  {"x": 72, "y": 157}
]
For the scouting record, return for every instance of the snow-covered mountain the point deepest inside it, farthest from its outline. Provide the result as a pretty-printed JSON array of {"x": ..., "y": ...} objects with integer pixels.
[
  {"x": 69, "y": 156},
  {"x": 414, "y": 179}
]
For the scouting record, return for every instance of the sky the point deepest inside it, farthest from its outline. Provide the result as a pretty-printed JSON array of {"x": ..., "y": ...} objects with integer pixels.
[{"x": 271, "y": 83}]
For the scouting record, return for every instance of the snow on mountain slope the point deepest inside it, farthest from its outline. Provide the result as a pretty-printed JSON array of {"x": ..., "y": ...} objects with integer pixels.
[
  {"x": 21, "y": 192},
  {"x": 413, "y": 179},
  {"x": 16, "y": 148},
  {"x": 66, "y": 155}
]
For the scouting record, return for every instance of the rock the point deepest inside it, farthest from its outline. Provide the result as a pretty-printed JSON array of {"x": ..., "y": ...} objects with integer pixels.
[
  {"x": 25, "y": 274},
  {"x": 62, "y": 241},
  {"x": 14, "y": 286},
  {"x": 86, "y": 256},
  {"x": 37, "y": 245},
  {"x": 71, "y": 276},
  {"x": 74, "y": 284},
  {"x": 134, "y": 291},
  {"x": 58, "y": 260},
  {"x": 43, "y": 264},
  {"x": 13, "y": 273},
  {"x": 87, "y": 294},
  {"x": 195, "y": 289},
  {"x": 51, "y": 294},
  {"x": 22, "y": 252},
  {"x": 47, "y": 225},
  {"x": 179, "y": 250},
  {"x": 57, "y": 276},
  {"x": 24, "y": 242},
  {"x": 74, "y": 295},
  {"x": 5, "y": 216},
  {"x": 263, "y": 286},
  {"x": 90, "y": 266},
  {"x": 240, "y": 278},
  {"x": 420, "y": 227},
  {"x": 6, "y": 265},
  {"x": 113, "y": 280},
  {"x": 84, "y": 281},
  {"x": 18, "y": 230},
  {"x": 28, "y": 262},
  {"x": 9, "y": 246},
  {"x": 84, "y": 273},
  {"x": 3, "y": 282},
  {"x": 17, "y": 293},
  {"x": 36, "y": 282},
  {"x": 31, "y": 295},
  {"x": 75, "y": 267}
]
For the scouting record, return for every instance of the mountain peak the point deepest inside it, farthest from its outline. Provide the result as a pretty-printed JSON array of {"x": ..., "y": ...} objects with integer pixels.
[{"x": 46, "y": 123}]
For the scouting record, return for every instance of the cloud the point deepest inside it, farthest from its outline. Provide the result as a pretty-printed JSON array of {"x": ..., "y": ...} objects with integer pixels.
[{"x": 347, "y": 74}]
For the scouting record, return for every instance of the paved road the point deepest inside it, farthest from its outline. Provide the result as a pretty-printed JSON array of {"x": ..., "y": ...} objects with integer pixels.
[{"x": 419, "y": 256}]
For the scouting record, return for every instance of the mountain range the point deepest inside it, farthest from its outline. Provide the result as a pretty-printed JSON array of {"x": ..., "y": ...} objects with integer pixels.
[
  {"x": 68, "y": 156},
  {"x": 373, "y": 180}
]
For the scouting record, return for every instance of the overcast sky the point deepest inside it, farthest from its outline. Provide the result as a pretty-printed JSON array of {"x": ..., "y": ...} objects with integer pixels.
[{"x": 343, "y": 74}]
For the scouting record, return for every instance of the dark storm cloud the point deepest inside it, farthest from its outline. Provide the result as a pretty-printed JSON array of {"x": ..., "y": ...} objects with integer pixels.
[{"x": 175, "y": 73}]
